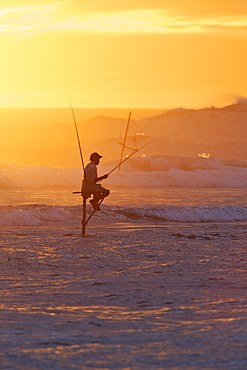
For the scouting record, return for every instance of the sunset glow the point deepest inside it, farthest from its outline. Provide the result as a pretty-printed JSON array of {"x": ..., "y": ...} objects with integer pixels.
[
  {"x": 140, "y": 21},
  {"x": 123, "y": 180},
  {"x": 122, "y": 54}
]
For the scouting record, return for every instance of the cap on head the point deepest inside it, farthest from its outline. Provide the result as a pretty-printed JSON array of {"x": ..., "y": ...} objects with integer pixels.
[{"x": 95, "y": 155}]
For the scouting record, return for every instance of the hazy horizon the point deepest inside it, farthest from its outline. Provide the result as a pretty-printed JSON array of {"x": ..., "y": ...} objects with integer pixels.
[{"x": 223, "y": 101}]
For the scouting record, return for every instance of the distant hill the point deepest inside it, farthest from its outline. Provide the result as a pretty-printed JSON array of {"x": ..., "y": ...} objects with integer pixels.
[
  {"x": 221, "y": 132},
  {"x": 215, "y": 125}
]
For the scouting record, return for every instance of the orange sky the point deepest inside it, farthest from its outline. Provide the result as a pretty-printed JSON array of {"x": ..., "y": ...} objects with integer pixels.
[{"x": 123, "y": 53}]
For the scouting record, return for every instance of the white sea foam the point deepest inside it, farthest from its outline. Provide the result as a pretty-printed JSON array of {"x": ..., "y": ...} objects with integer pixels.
[
  {"x": 33, "y": 215},
  {"x": 143, "y": 171},
  {"x": 38, "y": 176},
  {"x": 187, "y": 213},
  {"x": 37, "y": 215}
]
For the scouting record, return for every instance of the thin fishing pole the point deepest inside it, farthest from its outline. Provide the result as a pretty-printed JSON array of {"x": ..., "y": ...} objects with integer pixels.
[
  {"x": 125, "y": 138},
  {"x": 77, "y": 133},
  {"x": 134, "y": 152}
]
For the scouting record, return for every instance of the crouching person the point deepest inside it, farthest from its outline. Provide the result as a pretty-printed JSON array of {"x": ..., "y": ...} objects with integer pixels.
[{"x": 91, "y": 178}]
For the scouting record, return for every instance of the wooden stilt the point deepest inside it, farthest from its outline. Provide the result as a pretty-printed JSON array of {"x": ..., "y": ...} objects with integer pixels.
[{"x": 84, "y": 220}]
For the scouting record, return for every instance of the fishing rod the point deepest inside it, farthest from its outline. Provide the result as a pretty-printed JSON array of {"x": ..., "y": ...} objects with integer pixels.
[
  {"x": 84, "y": 210},
  {"x": 77, "y": 133},
  {"x": 129, "y": 156},
  {"x": 134, "y": 152},
  {"x": 125, "y": 138}
]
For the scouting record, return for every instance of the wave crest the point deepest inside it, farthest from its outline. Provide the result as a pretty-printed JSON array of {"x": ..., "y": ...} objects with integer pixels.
[
  {"x": 38, "y": 215},
  {"x": 166, "y": 171}
]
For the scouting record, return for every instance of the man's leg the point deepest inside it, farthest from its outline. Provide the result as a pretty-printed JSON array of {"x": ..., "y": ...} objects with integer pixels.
[
  {"x": 103, "y": 193},
  {"x": 98, "y": 196},
  {"x": 95, "y": 201}
]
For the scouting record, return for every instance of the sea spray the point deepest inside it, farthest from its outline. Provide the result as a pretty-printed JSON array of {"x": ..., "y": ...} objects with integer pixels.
[{"x": 158, "y": 171}]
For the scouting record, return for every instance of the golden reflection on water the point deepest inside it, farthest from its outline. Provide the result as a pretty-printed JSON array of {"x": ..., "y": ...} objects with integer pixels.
[
  {"x": 148, "y": 290},
  {"x": 127, "y": 313}
]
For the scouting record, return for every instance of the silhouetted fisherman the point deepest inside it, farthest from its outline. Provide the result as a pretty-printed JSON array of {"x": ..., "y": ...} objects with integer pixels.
[{"x": 91, "y": 178}]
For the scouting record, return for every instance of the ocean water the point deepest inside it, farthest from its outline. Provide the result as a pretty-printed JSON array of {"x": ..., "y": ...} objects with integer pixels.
[
  {"x": 36, "y": 207},
  {"x": 161, "y": 188},
  {"x": 156, "y": 171},
  {"x": 158, "y": 282}
]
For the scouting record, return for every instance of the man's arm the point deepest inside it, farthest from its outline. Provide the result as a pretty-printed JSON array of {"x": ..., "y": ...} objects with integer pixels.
[{"x": 101, "y": 178}]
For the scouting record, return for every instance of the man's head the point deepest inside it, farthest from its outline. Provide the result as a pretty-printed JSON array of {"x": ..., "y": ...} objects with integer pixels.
[{"x": 95, "y": 158}]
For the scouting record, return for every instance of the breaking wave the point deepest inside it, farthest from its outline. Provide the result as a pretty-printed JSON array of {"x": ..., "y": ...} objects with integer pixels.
[
  {"x": 167, "y": 171},
  {"x": 41, "y": 214}
]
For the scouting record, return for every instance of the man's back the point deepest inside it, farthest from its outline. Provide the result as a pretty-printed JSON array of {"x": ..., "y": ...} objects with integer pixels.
[{"x": 90, "y": 173}]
